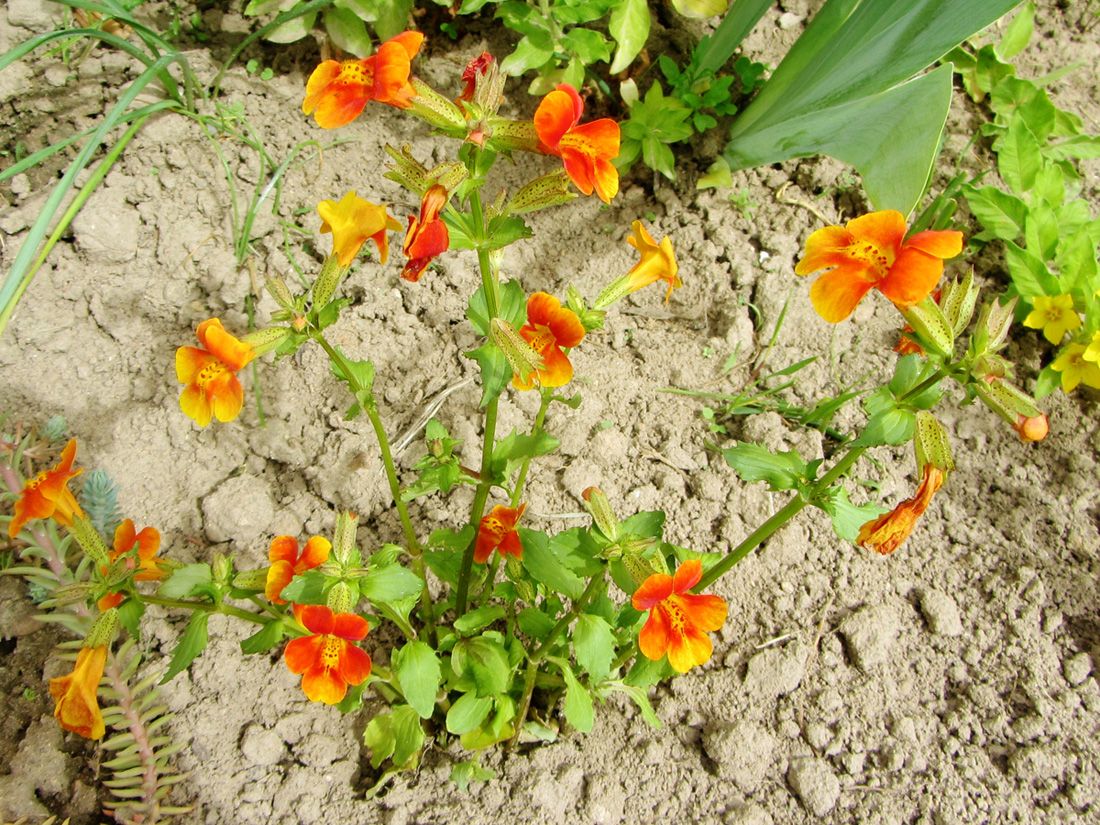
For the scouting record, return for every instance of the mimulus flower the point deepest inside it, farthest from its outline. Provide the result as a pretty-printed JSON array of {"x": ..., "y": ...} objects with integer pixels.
[
  {"x": 678, "y": 620},
  {"x": 888, "y": 532},
  {"x": 210, "y": 374},
  {"x": 1031, "y": 429},
  {"x": 47, "y": 495},
  {"x": 1054, "y": 316},
  {"x": 497, "y": 531},
  {"x": 1075, "y": 368},
  {"x": 587, "y": 150},
  {"x": 550, "y": 327},
  {"x": 351, "y": 222},
  {"x": 871, "y": 252},
  {"x": 336, "y": 92},
  {"x": 76, "y": 705},
  {"x": 427, "y": 236},
  {"x": 1092, "y": 351},
  {"x": 327, "y": 660},
  {"x": 148, "y": 565},
  {"x": 657, "y": 263},
  {"x": 287, "y": 562}
]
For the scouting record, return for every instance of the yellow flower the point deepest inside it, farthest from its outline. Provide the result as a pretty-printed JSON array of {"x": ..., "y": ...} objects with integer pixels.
[
  {"x": 1054, "y": 316},
  {"x": 657, "y": 263},
  {"x": 1075, "y": 368},
  {"x": 77, "y": 706},
  {"x": 1092, "y": 351},
  {"x": 352, "y": 221}
]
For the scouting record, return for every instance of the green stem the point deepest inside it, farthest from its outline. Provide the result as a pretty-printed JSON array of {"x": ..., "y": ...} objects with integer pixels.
[
  {"x": 594, "y": 584},
  {"x": 186, "y": 604},
  {"x": 517, "y": 492},
  {"x": 490, "y": 579},
  {"x": 524, "y": 703}
]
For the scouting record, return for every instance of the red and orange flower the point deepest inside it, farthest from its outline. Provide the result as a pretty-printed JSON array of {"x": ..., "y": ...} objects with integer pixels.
[
  {"x": 871, "y": 252},
  {"x": 287, "y": 562},
  {"x": 587, "y": 150},
  {"x": 550, "y": 327},
  {"x": 352, "y": 221},
  {"x": 148, "y": 565},
  {"x": 337, "y": 91},
  {"x": 210, "y": 374},
  {"x": 327, "y": 659},
  {"x": 888, "y": 532},
  {"x": 47, "y": 495},
  {"x": 497, "y": 531},
  {"x": 76, "y": 703},
  {"x": 427, "y": 236},
  {"x": 678, "y": 620}
]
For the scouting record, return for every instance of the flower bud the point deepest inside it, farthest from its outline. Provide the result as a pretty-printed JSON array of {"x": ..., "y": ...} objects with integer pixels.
[
  {"x": 521, "y": 356},
  {"x": 549, "y": 190},
  {"x": 994, "y": 322},
  {"x": 278, "y": 290},
  {"x": 1032, "y": 429},
  {"x": 72, "y": 593},
  {"x": 103, "y": 629},
  {"x": 339, "y": 598},
  {"x": 639, "y": 567},
  {"x": 429, "y": 105},
  {"x": 90, "y": 541},
  {"x": 265, "y": 340},
  {"x": 1007, "y": 400},
  {"x": 343, "y": 540},
  {"x": 930, "y": 443},
  {"x": 407, "y": 171},
  {"x": 251, "y": 579},
  {"x": 484, "y": 84},
  {"x": 600, "y": 509},
  {"x": 931, "y": 326},
  {"x": 222, "y": 568},
  {"x": 514, "y": 568},
  {"x": 331, "y": 275},
  {"x": 957, "y": 301}
]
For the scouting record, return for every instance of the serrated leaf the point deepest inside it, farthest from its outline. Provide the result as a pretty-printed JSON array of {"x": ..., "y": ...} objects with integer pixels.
[
  {"x": 534, "y": 623},
  {"x": 129, "y": 616},
  {"x": 783, "y": 470},
  {"x": 893, "y": 426},
  {"x": 474, "y": 620},
  {"x": 577, "y": 707},
  {"x": 191, "y": 644},
  {"x": 594, "y": 645},
  {"x": 184, "y": 581},
  {"x": 265, "y": 638},
  {"x": 306, "y": 588},
  {"x": 847, "y": 518},
  {"x": 391, "y": 583}
]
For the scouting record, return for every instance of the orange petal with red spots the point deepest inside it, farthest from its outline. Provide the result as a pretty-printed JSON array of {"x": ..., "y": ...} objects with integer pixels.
[
  {"x": 689, "y": 648},
  {"x": 355, "y": 665},
  {"x": 302, "y": 653},
  {"x": 942, "y": 244},
  {"x": 687, "y": 575},
  {"x": 885, "y": 229},
  {"x": 656, "y": 635},
  {"x": 825, "y": 248},
  {"x": 912, "y": 277},
  {"x": 323, "y": 684},
  {"x": 706, "y": 612},
  {"x": 653, "y": 590},
  {"x": 837, "y": 293}
]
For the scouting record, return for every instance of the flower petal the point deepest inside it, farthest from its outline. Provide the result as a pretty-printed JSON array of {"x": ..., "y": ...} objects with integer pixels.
[
  {"x": 652, "y": 591},
  {"x": 510, "y": 545},
  {"x": 690, "y": 648},
  {"x": 706, "y": 612},
  {"x": 232, "y": 352},
  {"x": 323, "y": 684},
  {"x": 355, "y": 665},
  {"x": 190, "y": 362},
  {"x": 350, "y": 626},
  {"x": 940, "y": 244},
  {"x": 302, "y": 653},
  {"x": 317, "y": 618},
  {"x": 687, "y": 576},
  {"x": 278, "y": 576},
  {"x": 283, "y": 548},
  {"x": 558, "y": 112},
  {"x": 228, "y": 397},
  {"x": 912, "y": 277},
  {"x": 556, "y": 369},
  {"x": 196, "y": 405},
  {"x": 825, "y": 248},
  {"x": 837, "y": 293},
  {"x": 885, "y": 229},
  {"x": 314, "y": 553},
  {"x": 656, "y": 635},
  {"x": 391, "y": 70},
  {"x": 318, "y": 81}
]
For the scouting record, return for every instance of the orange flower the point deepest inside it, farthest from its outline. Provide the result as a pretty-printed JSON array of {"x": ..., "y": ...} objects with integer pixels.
[
  {"x": 1031, "y": 429},
  {"x": 351, "y": 222},
  {"x": 76, "y": 706},
  {"x": 678, "y": 621},
  {"x": 889, "y": 531},
  {"x": 148, "y": 566},
  {"x": 549, "y": 328},
  {"x": 871, "y": 252},
  {"x": 336, "y": 92},
  {"x": 478, "y": 67},
  {"x": 586, "y": 150},
  {"x": 327, "y": 660},
  {"x": 497, "y": 531},
  {"x": 47, "y": 495},
  {"x": 427, "y": 236},
  {"x": 209, "y": 373},
  {"x": 657, "y": 263},
  {"x": 286, "y": 562}
]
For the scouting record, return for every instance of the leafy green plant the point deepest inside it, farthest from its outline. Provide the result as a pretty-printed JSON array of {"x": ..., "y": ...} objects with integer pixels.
[
  {"x": 654, "y": 125},
  {"x": 1049, "y": 233}
]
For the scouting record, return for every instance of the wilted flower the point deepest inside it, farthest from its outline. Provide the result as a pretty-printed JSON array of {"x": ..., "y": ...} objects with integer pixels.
[
  {"x": 287, "y": 562},
  {"x": 351, "y": 222},
  {"x": 76, "y": 703},
  {"x": 497, "y": 531}
]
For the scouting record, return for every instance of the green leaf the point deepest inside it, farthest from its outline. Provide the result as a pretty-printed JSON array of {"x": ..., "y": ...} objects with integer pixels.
[
  {"x": 513, "y": 307},
  {"x": 392, "y": 18},
  {"x": 129, "y": 616},
  {"x": 1001, "y": 213},
  {"x": 534, "y": 623},
  {"x": 1047, "y": 382},
  {"x": 646, "y": 672},
  {"x": 783, "y": 470},
  {"x": 391, "y": 583},
  {"x": 587, "y": 45},
  {"x": 836, "y": 92},
  {"x": 185, "y": 581},
  {"x": 408, "y": 734},
  {"x": 1016, "y": 98},
  {"x": 1085, "y": 147},
  {"x": 477, "y": 619},
  {"x": 545, "y": 567},
  {"x": 1018, "y": 156},
  {"x": 629, "y": 25},
  {"x": 1043, "y": 231},
  {"x": 506, "y": 229},
  {"x": 1018, "y": 33},
  {"x": 191, "y": 644},
  {"x": 847, "y": 517},
  {"x": 306, "y": 588},
  {"x": 648, "y": 524},
  {"x": 380, "y": 739},
  {"x": 496, "y": 372},
  {"x": 577, "y": 707},
  {"x": 347, "y": 31},
  {"x": 514, "y": 448},
  {"x": 292, "y": 30},
  {"x": 892, "y": 426},
  {"x": 462, "y": 773},
  {"x": 417, "y": 670},
  {"x": 641, "y": 699},
  {"x": 468, "y": 712},
  {"x": 530, "y": 53},
  {"x": 485, "y": 661},
  {"x": 594, "y": 645},
  {"x": 265, "y": 638},
  {"x": 1029, "y": 274}
]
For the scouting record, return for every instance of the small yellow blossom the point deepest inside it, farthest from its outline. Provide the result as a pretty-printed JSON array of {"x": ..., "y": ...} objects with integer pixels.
[
  {"x": 1092, "y": 350},
  {"x": 1054, "y": 316},
  {"x": 1075, "y": 368}
]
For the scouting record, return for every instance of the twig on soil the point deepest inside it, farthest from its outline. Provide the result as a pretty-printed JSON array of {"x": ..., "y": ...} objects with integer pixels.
[
  {"x": 406, "y": 438},
  {"x": 809, "y": 207}
]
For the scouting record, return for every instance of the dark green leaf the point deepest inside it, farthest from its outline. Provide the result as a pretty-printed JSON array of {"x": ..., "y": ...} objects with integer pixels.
[
  {"x": 477, "y": 619},
  {"x": 893, "y": 426},
  {"x": 129, "y": 616},
  {"x": 191, "y": 644},
  {"x": 783, "y": 470},
  {"x": 545, "y": 567},
  {"x": 594, "y": 645},
  {"x": 468, "y": 712},
  {"x": 265, "y": 638},
  {"x": 485, "y": 661},
  {"x": 534, "y": 623}
]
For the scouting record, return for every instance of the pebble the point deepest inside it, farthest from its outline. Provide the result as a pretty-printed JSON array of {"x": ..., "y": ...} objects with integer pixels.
[
  {"x": 748, "y": 815},
  {"x": 262, "y": 746},
  {"x": 789, "y": 20},
  {"x": 815, "y": 784},
  {"x": 775, "y": 671},
  {"x": 1077, "y": 669},
  {"x": 941, "y": 613},
  {"x": 870, "y": 635}
]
